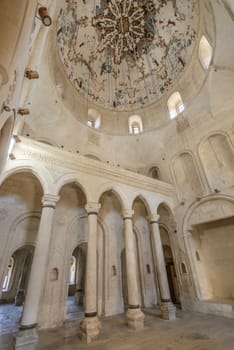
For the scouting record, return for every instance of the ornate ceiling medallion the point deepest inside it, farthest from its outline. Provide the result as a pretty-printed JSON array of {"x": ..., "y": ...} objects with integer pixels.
[{"x": 124, "y": 27}]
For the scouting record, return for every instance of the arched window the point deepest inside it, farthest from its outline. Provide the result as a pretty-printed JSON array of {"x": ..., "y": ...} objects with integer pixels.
[
  {"x": 135, "y": 124},
  {"x": 205, "y": 52},
  {"x": 94, "y": 118},
  {"x": 154, "y": 173},
  {"x": 7, "y": 277},
  {"x": 72, "y": 276},
  {"x": 175, "y": 105}
]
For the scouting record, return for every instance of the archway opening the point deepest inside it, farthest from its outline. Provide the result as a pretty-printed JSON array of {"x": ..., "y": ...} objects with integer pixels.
[
  {"x": 20, "y": 208},
  {"x": 76, "y": 282},
  {"x": 167, "y": 230}
]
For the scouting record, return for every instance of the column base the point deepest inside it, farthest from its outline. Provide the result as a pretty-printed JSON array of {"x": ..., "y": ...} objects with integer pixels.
[
  {"x": 135, "y": 318},
  {"x": 90, "y": 328},
  {"x": 26, "y": 339},
  {"x": 168, "y": 311}
]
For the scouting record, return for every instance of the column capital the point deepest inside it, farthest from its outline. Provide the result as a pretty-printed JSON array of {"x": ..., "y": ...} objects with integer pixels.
[
  {"x": 49, "y": 200},
  {"x": 154, "y": 218},
  {"x": 92, "y": 208},
  {"x": 127, "y": 213}
]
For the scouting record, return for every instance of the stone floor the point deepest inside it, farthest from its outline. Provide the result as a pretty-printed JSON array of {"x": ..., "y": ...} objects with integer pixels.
[
  {"x": 9, "y": 318},
  {"x": 10, "y": 315},
  {"x": 191, "y": 331}
]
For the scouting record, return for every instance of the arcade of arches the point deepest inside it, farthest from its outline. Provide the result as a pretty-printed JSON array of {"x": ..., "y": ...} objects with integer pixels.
[{"x": 116, "y": 163}]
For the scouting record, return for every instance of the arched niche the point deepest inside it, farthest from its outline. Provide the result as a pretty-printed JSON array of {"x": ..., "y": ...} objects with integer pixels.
[
  {"x": 154, "y": 172},
  {"x": 208, "y": 229},
  {"x": 110, "y": 244},
  {"x": 186, "y": 177},
  {"x": 217, "y": 157}
]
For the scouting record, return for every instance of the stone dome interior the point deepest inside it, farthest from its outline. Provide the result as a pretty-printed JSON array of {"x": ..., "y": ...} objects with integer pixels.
[{"x": 126, "y": 54}]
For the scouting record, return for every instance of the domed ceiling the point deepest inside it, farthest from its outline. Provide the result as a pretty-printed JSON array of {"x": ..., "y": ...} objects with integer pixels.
[{"x": 123, "y": 54}]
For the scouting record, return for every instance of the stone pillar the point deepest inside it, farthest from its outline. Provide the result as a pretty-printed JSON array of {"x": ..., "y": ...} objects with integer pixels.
[
  {"x": 135, "y": 317},
  {"x": 28, "y": 335},
  {"x": 90, "y": 326},
  {"x": 167, "y": 308}
]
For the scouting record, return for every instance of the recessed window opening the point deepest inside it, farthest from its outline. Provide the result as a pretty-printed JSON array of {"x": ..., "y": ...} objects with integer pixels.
[
  {"x": 136, "y": 129},
  {"x": 72, "y": 276},
  {"x": 94, "y": 118},
  {"x": 198, "y": 256},
  {"x": 205, "y": 52},
  {"x": 183, "y": 268},
  {"x": 7, "y": 277},
  {"x": 175, "y": 105},
  {"x": 148, "y": 269},
  {"x": 135, "y": 124},
  {"x": 90, "y": 123}
]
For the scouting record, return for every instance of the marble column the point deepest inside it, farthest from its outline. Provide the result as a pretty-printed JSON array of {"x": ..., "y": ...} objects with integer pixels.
[
  {"x": 90, "y": 326},
  {"x": 135, "y": 317},
  {"x": 28, "y": 335},
  {"x": 167, "y": 308}
]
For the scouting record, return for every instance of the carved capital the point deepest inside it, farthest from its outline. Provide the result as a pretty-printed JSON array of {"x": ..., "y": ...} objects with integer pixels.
[
  {"x": 154, "y": 218},
  {"x": 127, "y": 213},
  {"x": 92, "y": 207},
  {"x": 49, "y": 200}
]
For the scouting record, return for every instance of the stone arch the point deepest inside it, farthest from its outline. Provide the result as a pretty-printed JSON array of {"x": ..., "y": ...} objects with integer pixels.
[
  {"x": 208, "y": 209},
  {"x": 118, "y": 192},
  {"x": 111, "y": 222},
  {"x": 167, "y": 205},
  {"x": 69, "y": 179},
  {"x": 207, "y": 225},
  {"x": 217, "y": 157},
  {"x": 42, "y": 175},
  {"x": 142, "y": 198},
  {"x": 186, "y": 176}
]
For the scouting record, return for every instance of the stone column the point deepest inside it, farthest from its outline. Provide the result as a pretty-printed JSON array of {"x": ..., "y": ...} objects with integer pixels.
[
  {"x": 135, "y": 317},
  {"x": 90, "y": 326},
  {"x": 167, "y": 308},
  {"x": 28, "y": 334}
]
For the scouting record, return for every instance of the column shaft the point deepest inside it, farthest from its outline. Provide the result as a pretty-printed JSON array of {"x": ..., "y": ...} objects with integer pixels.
[
  {"x": 161, "y": 269},
  {"x": 167, "y": 308},
  {"x": 90, "y": 326},
  {"x": 91, "y": 268},
  {"x": 131, "y": 267},
  {"x": 38, "y": 269}
]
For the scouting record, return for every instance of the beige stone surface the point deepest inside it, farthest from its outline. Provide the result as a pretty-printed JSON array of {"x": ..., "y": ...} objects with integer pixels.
[{"x": 191, "y": 331}]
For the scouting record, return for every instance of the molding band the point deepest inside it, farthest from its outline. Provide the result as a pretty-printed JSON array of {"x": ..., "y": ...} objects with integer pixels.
[
  {"x": 90, "y": 314},
  {"x": 153, "y": 222},
  {"x": 166, "y": 300},
  {"x": 30, "y": 326},
  {"x": 127, "y": 218},
  {"x": 132, "y": 307},
  {"x": 92, "y": 213},
  {"x": 48, "y": 206}
]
